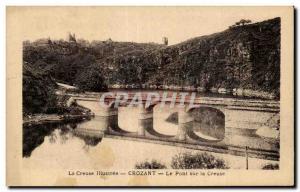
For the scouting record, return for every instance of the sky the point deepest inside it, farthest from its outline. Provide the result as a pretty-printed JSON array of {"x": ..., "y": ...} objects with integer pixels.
[{"x": 133, "y": 24}]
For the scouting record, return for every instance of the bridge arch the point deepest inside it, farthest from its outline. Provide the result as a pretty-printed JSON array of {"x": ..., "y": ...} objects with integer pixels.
[{"x": 208, "y": 123}]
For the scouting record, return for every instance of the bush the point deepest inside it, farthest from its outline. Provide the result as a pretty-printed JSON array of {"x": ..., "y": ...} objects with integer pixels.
[
  {"x": 197, "y": 161},
  {"x": 154, "y": 164},
  {"x": 271, "y": 166}
]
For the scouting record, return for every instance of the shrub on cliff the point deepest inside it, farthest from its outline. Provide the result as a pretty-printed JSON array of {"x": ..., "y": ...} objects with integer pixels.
[{"x": 197, "y": 161}]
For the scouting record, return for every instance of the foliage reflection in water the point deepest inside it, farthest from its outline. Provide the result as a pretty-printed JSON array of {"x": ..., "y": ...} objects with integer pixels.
[{"x": 34, "y": 135}]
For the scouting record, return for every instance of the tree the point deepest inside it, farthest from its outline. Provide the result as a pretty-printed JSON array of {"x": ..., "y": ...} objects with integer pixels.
[
  {"x": 91, "y": 79},
  {"x": 38, "y": 91},
  {"x": 243, "y": 22}
]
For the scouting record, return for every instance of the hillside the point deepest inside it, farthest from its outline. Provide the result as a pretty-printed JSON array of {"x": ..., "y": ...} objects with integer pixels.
[{"x": 246, "y": 57}]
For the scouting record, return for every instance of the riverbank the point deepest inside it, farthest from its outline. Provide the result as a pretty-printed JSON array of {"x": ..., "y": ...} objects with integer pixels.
[
  {"x": 65, "y": 110},
  {"x": 37, "y": 119}
]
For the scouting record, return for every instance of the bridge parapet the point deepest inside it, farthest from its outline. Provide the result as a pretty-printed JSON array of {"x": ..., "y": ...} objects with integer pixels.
[{"x": 230, "y": 103}]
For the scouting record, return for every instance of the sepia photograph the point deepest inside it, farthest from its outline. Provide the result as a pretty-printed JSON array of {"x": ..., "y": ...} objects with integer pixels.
[{"x": 150, "y": 96}]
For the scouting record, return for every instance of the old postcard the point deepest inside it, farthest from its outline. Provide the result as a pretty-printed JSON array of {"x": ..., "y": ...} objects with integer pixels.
[{"x": 150, "y": 96}]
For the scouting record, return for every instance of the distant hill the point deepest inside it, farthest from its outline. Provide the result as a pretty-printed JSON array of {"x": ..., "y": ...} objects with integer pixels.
[{"x": 246, "y": 56}]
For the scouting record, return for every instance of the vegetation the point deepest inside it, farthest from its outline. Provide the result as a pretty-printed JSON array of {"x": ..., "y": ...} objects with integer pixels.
[
  {"x": 271, "y": 166},
  {"x": 197, "y": 161},
  {"x": 39, "y": 94},
  {"x": 71, "y": 61},
  {"x": 154, "y": 164},
  {"x": 247, "y": 56},
  {"x": 38, "y": 91},
  {"x": 242, "y": 22},
  {"x": 91, "y": 79}
]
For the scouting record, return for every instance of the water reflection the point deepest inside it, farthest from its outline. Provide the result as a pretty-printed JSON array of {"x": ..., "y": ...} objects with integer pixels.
[
  {"x": 89, "y": 139},
  {"x": 35, "y": 135},
  {"x": 209, "y": 122},
  {"x": 82, "y": 144},
  {"x": 68, "y": 147},
  {"x": 91, "y": 132}
]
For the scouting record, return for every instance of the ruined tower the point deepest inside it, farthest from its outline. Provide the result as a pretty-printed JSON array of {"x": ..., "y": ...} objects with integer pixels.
[{"x": 165, "y": 40}]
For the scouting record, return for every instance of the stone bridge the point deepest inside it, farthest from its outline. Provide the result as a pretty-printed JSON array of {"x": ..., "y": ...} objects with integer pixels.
[{"x": 242, "y": 121}]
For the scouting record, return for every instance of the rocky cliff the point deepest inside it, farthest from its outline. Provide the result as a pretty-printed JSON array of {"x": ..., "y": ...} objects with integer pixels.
[{"x": 245, "y": 57}]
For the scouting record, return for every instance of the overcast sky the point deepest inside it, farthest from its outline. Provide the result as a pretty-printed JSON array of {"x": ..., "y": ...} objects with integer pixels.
[{"x": 137, "y": 24}]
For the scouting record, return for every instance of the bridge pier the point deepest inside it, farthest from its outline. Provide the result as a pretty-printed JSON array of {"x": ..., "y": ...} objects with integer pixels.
[
  {"x": 145, "y": 120},
  {"x": 113, "y": 120},
  {"x": 106, "y": 117},
  {"x": 185, "y": 124}
]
